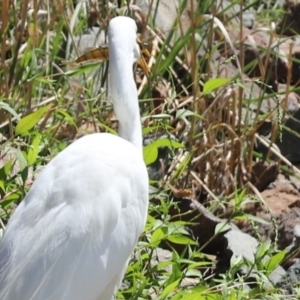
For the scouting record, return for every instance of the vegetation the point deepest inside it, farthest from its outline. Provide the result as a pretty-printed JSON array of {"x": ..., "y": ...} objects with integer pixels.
[{"x": 204, "y": 117}]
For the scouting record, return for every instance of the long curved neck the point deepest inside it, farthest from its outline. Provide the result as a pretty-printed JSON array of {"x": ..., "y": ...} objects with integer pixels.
[{"x": 124, "y": 95}]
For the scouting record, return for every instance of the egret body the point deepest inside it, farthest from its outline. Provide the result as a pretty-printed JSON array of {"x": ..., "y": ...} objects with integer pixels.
[{"x": 72, "y": 235}]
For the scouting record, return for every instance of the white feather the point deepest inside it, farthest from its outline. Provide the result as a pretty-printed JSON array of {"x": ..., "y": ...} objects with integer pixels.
[{"x": 72, "y": 235}]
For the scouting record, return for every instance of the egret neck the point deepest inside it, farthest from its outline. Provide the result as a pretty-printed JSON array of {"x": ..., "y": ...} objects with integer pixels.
[{"x": 123, "y": 91}]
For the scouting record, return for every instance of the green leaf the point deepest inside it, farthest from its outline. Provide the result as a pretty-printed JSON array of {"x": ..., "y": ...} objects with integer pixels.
[
  {"x": 29, "y": 121},
  {"x": 68, "y": 117},
  {"x": 184, "y": 113},
  {"x": 164, "y": 264},
  {"x": 180, "y": 239},
  {"x": 24, "y": 174},
  {"x": 253, "y": 218},
  {"x": 176, "y": 269},
  {"x": 21, "y": 159},
  {"x": 107, "y": 128},
  {"x": 6, "y": 107},
  {"x": 45, "y": 80},
  {"x": 194, "y": 296},
  {"x": 177, "y": 227},
  {"x": 239, "y": 197},
  {"x": 147, "y": 130},
  {"x": 274, "y": 261},
  {"x": 14, "y": 197},
  {"x": 199, "y": 264},
  {"x": 213, "y": 84},
  {"x": 150, "y": 153},
  {"x": 89, "y": 66},
  {"x": 169, "y": 289},
  {"x": 221, "y": 227},
  {"x": 193, "y": 273},
  {"x": 8, "y": 167},
  {"x": 157, "y": 237},
  {"x": 2, "y": 185},
  {"x": 194, "y": 293},
  {"x": 34, "y": 150},
  {"x": 262, "y": 249},
  {"x": 181, "y": 167}
]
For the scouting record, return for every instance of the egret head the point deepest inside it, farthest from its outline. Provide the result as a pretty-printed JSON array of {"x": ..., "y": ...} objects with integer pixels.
[{"x": 124, "y": 40}]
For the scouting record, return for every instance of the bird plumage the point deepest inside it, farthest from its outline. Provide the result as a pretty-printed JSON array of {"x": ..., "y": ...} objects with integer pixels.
[{"x": 72, "y": 235}]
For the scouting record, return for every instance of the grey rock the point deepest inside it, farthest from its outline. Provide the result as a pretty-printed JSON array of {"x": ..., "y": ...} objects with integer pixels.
[
  {"x": 240, "y": 244},
  {"x": 293, "y": 273},
  {"x": 289, "y": 144},
  {"x": 232, "y": 11},
  {"x": 291, "y": 279},
  {"x": 164, "y": 13},
  {"x": 248, "y": 19}
]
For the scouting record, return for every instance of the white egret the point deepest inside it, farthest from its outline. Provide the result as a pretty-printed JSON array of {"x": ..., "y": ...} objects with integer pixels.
[{"x": 72, "y": 235}]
